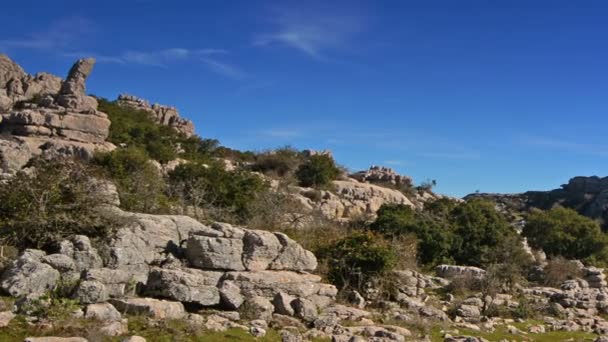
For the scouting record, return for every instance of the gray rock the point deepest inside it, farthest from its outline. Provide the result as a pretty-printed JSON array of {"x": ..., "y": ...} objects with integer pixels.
[
  {"x": 153, "y": 308},
  {"x": 293, "y": 256},
  {"x": 282, "y": 304},
  {"x": 260, "y": 249},
  {"x": 187, "y": 285},
  {"x": 257, "y": 308},
  {"x": 117, "y": 282},
  {"x": 90, "y": 292},
  {"x": 60, "y": 262},
  {"x": 73, "y": 90},
  {"x": 28, "y": 276},
  {"x": 104, "y": 312},
  {"x": 468, "y": 311},
  {"x": 215, "y": 253},
  {"x": 305, "y": 309},
  {"x": 230, "y": 295}
]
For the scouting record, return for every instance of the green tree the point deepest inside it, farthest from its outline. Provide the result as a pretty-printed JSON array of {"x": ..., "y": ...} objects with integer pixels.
[
  {"x": 318, "y": 171},
  {"x": 564, "y": 232},
  {"x": 479, "y": 230}
]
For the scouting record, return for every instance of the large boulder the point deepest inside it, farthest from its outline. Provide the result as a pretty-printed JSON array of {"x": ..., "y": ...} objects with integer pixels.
[
  {"x": 28, "y": 275},
  {"x": 186, "y": 285}
]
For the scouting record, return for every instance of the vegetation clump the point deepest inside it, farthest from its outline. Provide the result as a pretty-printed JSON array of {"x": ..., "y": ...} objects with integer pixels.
[
  {"x": 564, "y": 232},
  {"x": 53, "y": 200},
  {"x": 318, "y": 171}
]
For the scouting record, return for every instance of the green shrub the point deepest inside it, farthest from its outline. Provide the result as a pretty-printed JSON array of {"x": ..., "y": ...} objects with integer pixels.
[
  {"x": 210, "y": 186},
  {"x": 137, "y": 129},
  {"x": 564, "y": 232},
  {"x": 140, "y": 185},
  {"x": 282, "y": 162},
  {"x": 469, "y": 233},
  {"x": 357, "y": 259},
  {"x": 318, "y": 171},
  {"x": 55, "y": 200},
  {"x": 481, "y": 232}
]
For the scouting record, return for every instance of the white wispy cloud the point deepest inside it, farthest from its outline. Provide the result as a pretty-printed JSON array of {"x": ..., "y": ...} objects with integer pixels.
[
  {"x": 165, "y": 57},
  {"x": 223, "y": 69},
  {"x": 60, "y": 34},
  {"x": 311, "y": 31}
]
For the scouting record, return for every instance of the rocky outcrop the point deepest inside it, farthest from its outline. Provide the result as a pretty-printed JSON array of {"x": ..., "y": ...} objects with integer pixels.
[
  {"x": 164, "y": 115},
  {"x": 42, "y": 115},
  {"x": 587, "y": 195},
  {"x": 382, "y": 175},
  {"x": 349, "y": 198}
]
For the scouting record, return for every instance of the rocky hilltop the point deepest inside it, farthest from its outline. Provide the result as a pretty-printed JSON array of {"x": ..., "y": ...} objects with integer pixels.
[
  {"x": 45, "y": 115},
  {"x": 587, "y": 195},
  {"x": 164, "y": 115}
]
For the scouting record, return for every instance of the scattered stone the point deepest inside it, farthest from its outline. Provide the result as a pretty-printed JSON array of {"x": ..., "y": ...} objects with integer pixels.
[{"x": 104, "y": 312}]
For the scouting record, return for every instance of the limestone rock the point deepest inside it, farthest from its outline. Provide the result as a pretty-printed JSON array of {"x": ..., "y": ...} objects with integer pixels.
[
  {"x": 90, "y": 292},
  {"x": 153, "y": 308},
  {"x": 104, "y": 312},
  {"x": 73, "y": 90},
  {"x": 453, "y": 271},
  {"x": 230, "y": 295},
  {"x": 28, "y": 276},
  {"x": 187, "y": 285},
  {"x": 164, "y": 115},
  {"x": 5, "y": 318}
]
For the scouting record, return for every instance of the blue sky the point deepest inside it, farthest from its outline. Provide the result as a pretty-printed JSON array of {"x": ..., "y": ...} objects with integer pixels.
[{"x": 496, "y": 96}]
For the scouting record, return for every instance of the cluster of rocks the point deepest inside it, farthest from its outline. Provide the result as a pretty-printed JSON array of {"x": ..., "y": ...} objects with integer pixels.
[
  {"x": 171, "y": 267},
  {"x": 45, "y": 115},
  {"x": 161, "y": 114},
  {"x": 382, "y": 175},
  {"x": 350, "y": 198}
]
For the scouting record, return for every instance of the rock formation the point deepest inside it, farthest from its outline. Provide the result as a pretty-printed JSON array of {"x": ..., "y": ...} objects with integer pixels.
[
  {"x": 43, "y": 115},
  {"x": 382, "y": 175},
  {"x": 587, "y": 195},
  {"x": 164, "y": 115}
]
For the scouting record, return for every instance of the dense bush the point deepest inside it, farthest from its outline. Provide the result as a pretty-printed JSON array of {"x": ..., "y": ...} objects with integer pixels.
[
  {"x": 140, "y": 185},
  {"x": 470, "y": 233},
  {"x": 564, "y": 232},
  {"x": 135, "y": 128},
  {"x": 357, "y": 259},
  {"x": 434, "y": 240},
  {"x": 53, "y": 201},
  {"x": 317, "y": 171},
  {"x": 210, "y": 186},
  {"x": 282, "y": 162}
]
